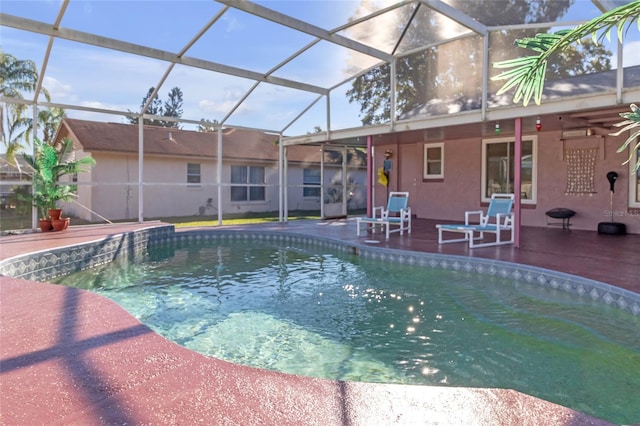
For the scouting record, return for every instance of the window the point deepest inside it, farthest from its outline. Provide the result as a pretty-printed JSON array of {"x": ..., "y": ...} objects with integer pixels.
[
  {"x": 634, "y": 180},
  {"x": 433, "y": 161},
  {"x": 498, "y": 168},
  {"x": 243, "y": 179},
  {"x": 193, "y": 174},
  {"x": 311, "y": 177}
]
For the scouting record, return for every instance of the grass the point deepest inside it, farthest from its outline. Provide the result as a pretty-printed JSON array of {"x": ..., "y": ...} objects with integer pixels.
[
  {"x": 12, "y": 221},
  {"x": 237, "y": 219}
]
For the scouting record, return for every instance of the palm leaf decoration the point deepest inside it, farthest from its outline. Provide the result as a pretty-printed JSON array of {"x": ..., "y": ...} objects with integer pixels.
[
  {"x": 527, "y": 74},
  {"x": 631, "y": 122}
]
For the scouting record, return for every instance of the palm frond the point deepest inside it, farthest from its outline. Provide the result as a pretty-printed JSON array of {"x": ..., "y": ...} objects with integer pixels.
[
  {"x": 632, "y": 122},
  {"x": 528, "y": 73}
]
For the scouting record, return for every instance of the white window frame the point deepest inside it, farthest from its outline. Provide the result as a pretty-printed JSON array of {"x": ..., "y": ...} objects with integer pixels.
[
  {"x": 311, "y": 185},
  {"x": 248, "y": 185},
  {"x": 425, "y": 169},
  {"x": 534, "y": 166},
  {"x": 634, "y": 197},
  {"x": 191, "y": 175}
]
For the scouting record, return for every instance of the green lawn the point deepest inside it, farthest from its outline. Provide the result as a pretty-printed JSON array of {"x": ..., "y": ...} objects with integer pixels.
[
  {"x": 237, "y": 219},
  {"x": 10, "y": 220}
]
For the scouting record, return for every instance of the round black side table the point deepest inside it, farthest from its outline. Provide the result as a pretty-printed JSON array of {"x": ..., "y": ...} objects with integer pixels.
[{"x": 561, "y": 213}]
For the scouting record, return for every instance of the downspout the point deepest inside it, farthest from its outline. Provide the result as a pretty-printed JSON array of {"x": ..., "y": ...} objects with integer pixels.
[{"x": 517, "y": 180}]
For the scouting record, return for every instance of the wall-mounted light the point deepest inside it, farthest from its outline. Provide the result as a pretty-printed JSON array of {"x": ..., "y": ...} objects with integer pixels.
[
  {"x": 538, "y": 124},
  {"x": 497, "y": 127}
]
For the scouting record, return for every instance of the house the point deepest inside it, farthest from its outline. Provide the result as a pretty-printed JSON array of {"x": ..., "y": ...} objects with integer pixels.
[
  {"x": 12, "y": 176},
  {"x": 451, "y": 153},
  {"x": 180, "y": 172},
  {"x": 565, "y": 161},
  {"x": 567, "y": 152}
]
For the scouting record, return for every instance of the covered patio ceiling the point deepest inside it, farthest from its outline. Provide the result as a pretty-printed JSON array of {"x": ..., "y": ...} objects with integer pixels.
[{"x": 278, "y": 66}]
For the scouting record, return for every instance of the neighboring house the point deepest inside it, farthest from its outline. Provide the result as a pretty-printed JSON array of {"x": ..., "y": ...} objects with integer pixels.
[
  {"x": 11, "y": 177},
  {"x": 180, "y": 172}
]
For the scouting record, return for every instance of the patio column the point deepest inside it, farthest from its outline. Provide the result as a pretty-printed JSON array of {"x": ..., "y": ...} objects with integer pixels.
[
  {"x": 517, "y": 180},
  {"x": 370, "y": 184},
  {"x": 141, "y": 169},
  {"x": 34, "y": 211},
  {"x": 219, "y": 173},
  {"x": 282, "y": 216}
]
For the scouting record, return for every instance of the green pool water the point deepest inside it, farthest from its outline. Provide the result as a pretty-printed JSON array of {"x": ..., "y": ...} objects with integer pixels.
[{"x": 340, "y": 317}]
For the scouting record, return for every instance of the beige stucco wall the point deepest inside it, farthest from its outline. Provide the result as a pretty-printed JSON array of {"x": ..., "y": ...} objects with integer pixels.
[
  {"x": 114, "y": 193},
  {"x": 81, "y": 205}
]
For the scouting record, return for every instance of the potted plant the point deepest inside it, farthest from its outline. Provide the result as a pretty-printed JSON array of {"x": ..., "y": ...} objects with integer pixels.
[{"x": 48, "y": 165}]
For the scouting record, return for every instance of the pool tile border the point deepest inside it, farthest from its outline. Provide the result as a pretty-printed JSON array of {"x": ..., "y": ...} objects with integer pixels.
[
  {"x": 42, "y": 266},
  {"x": 596, "y": 291},
  {"x": 48, "y": 264}
]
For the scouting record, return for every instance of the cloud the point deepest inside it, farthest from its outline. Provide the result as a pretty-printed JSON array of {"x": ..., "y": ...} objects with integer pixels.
[
  {"x": 220, "y": 108},
  {"x": 232, "y": 24},
  {"x": 60, "y": 92}
]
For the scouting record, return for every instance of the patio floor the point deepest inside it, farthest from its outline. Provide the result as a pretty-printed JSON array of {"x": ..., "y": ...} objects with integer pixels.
[
  {"x": 612, "y": 259},
  {"x": 72, "y": 357}
]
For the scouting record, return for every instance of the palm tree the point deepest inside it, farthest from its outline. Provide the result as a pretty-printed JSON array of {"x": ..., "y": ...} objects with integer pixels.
[
  {"x": 48, "y": 122},
  {"x": 14, "y": 129},
  {"x": 16, "y": 77}
]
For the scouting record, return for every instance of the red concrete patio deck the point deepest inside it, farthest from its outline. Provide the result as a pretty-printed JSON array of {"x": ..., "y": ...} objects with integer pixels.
[{"x": 72, "y": 357}]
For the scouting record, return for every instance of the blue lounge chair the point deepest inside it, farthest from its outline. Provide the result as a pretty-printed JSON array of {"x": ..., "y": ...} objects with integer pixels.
[
  {"x": 396, "y": 217},
  {"x": 498, "y": 219}
]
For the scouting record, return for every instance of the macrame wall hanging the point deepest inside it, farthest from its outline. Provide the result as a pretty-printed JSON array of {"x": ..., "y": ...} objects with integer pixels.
[{"x": 581, "y": 170}]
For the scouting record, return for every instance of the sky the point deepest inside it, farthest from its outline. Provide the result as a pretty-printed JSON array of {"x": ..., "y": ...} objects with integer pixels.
[{"x": 99, "y": 78}]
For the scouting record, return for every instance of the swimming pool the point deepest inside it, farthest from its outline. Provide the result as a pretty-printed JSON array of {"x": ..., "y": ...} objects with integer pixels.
[{"x": 325, "y": 313}]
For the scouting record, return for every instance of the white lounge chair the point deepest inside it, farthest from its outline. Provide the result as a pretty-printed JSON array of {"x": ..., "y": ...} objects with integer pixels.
[
  {"x": 396, "y": 217},
  {"x": 498, "y": 219}
]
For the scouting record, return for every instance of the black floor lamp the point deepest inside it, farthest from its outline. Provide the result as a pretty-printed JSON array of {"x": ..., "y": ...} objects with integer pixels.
[{"x": 611, "y": 227}]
